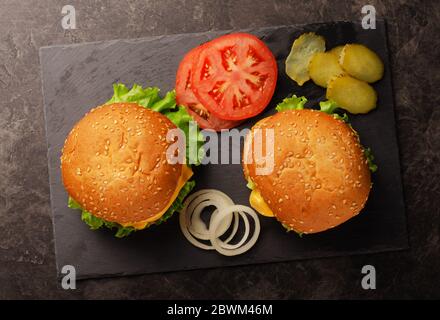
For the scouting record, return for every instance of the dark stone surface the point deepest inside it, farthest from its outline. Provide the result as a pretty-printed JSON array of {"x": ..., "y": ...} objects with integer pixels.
[
  {"x": 76, "y": 77},
  {"x": 27, "y": 264}
]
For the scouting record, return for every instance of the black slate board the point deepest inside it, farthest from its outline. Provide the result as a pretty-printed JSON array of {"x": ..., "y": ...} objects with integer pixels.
[{"x": 79, "y": 77}]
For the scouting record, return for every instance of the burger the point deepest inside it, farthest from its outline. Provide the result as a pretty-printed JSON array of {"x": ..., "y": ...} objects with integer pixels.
[
  {"x": 321, "y": 173},
  {"x": 114, "y": 162}
]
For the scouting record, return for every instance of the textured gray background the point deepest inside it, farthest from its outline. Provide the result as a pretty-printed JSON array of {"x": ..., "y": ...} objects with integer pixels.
[
  {"x": 76, "y": 77},
  {"x": 27, "y": 265}
]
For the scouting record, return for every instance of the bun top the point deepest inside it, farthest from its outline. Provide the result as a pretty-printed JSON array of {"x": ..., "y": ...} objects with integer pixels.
[
  {"x": 320, "y": 178},
  {"x": 114, "y": 163}
]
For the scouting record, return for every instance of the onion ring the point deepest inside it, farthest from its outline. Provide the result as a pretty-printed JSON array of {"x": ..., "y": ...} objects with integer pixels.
[
  {"x": 217, "y": 243},
  {"x": 225, "y": 214}
]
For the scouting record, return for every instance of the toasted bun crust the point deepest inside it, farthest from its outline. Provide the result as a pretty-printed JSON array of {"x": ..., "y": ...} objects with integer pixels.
[
  {"x": 320, "y": 178},
  {"x": 114, "y": 163}
]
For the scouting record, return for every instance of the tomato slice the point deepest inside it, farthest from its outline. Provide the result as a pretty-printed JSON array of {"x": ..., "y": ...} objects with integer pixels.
[
  {"x": 184, "y": 94},
  {"x": 234, "y": 76},
  {"x": 207, "y": 120},
  {"x": 186, "y": 97}
]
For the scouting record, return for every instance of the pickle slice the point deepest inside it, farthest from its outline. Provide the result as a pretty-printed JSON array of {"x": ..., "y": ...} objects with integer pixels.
[
  {"x": 351, "y": 94},
  {"x": 337, "y": 51},
  {"x": 322, "y": 67},
  {"x": 302, "y": 51},
  {"x": 362, "y": 63}
]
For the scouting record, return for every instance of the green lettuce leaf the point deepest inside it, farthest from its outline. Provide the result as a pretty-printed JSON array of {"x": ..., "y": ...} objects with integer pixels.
[
  {"x": 96, "y": 223},
  {"x": 344, "y": 117},
  {"x": 145, "y": 97},
  {"x": 93, "y": 222},
  {"x": 72, "y": 204},
  {"x": 167, "y": 105},
  {"x": 330, "y": 107},
  {"x": 194, "y": 137},
  {"x": 370, "y": 157},
  {"x": 124, "y": 231},
  {"x": 291, "y": 103}
]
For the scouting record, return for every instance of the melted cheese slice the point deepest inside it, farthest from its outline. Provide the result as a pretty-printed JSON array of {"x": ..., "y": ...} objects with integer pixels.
[
  {"x": 184, "y": 177},
  {"x": 257, "y": 202}
]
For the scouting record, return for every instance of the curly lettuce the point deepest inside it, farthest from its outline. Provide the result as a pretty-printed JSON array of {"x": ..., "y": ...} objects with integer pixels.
[
  {"x": 150, "y": 98},
  {"x": 330, "y": 107},
  {"x": 291, "y": 103},
  {"x": 370, "y": 157}
]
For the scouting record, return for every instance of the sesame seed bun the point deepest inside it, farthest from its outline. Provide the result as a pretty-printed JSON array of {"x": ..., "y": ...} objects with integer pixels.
[
  {"x": 320, "y": 178},
  {"x": 114, "y": 163}
]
